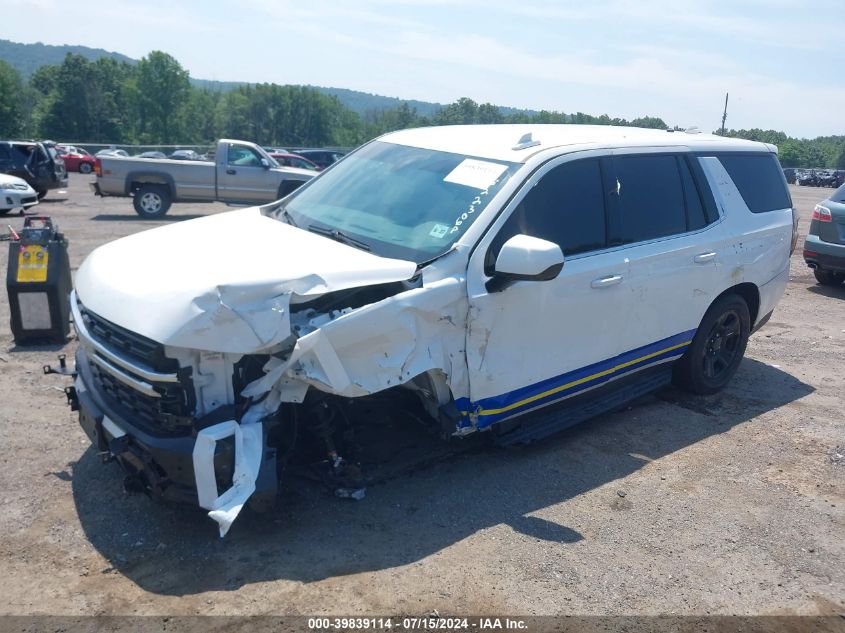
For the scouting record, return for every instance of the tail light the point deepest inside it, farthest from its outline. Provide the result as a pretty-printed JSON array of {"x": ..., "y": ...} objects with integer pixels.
[
  {"x": 794, "y": 231},
  {"x": 98, "y": 167},
  {"x": 822, "y": 214}
]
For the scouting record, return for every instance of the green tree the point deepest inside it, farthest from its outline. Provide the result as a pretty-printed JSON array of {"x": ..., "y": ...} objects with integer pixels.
[
  {"x": 488, "y": 113},
  {"x": 82, "y": 100},
  {"x": 649, "y": 121},
  {"x": 10, "y": 100},
  {"x": 464, "y": 111},
  {"x": 161, "y": 91}
]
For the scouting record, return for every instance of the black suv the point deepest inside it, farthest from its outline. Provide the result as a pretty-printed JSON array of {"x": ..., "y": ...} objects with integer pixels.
[{"x": 37, "y": 163}]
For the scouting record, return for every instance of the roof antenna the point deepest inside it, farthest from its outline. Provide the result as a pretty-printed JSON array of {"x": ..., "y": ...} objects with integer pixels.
[
  {"x": 725, "y": 114},
  {"x": 525, "y": 142}
]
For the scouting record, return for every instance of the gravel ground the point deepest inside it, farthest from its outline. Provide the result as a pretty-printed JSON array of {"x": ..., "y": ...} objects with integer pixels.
[{"x": 730, "y": 504}]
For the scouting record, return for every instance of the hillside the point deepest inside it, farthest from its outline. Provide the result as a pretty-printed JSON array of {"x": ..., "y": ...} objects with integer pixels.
[{"x": 27, "y": 58}]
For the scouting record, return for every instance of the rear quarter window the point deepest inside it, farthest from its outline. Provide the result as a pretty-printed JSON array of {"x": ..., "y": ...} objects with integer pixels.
[{"x": 759, "y": 179}]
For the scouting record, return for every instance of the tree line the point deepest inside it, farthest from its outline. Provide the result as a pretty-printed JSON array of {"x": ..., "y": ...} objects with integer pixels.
[
  {"x": 153, "y": 102},
  {"x": 823, "y": 151}
]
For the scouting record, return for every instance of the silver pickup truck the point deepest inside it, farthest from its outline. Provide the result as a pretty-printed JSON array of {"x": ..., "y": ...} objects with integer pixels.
[{"x": 241, "y": 173}]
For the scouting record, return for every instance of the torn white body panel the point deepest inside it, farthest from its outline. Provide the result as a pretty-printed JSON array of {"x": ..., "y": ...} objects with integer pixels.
[
  {"x": 230, "y": 295},
  {"x": 378, "y": 346}
]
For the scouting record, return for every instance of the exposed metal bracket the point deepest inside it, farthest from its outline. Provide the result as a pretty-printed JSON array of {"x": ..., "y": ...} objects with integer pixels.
[{"x": 62, "y": 370}]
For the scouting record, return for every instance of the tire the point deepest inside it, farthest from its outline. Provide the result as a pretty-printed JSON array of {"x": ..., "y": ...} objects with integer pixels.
[
  {"x": 41, "y": 193},
  {"x": 4, "y": 211},
  {"x": 85, "y": 168},
  {"x": 828, "y": 277},
  {"x": 717, "y": 348},
  {"x": 151, "y": 201}
]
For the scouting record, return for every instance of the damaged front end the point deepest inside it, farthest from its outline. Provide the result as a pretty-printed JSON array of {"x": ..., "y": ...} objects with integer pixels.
[{"x": 194, "y": 420}]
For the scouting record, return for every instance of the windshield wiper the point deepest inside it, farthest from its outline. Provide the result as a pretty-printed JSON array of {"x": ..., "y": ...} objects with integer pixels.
[
  {"x": 285, "y": 215},
  {"x": 339, "y": 236}
]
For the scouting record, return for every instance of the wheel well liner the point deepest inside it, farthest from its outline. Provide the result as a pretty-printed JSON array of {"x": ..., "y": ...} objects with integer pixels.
[
  {"x": 289, "y": 186},
  {"x": 137, "y": 179},
  {"x": 750, "y": 294}
]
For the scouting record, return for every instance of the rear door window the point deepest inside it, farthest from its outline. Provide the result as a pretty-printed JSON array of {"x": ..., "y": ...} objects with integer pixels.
[
  {"x": 648, "y": 197},
  {"x": 759, "y": 179}
]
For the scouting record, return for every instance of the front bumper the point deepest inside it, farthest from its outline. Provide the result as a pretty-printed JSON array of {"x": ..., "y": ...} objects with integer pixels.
[
  {"x": 160, "y": 465},
  {"x": 17, "y": 199},
  {"x": 824, "y": 255}
]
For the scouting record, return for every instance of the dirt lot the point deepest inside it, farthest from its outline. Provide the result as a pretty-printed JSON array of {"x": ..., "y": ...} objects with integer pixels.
[{"x": 730, "y": 504}]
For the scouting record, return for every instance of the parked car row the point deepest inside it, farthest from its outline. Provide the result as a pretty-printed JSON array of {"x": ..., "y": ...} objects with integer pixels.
[{"x": 815, "y": 177}]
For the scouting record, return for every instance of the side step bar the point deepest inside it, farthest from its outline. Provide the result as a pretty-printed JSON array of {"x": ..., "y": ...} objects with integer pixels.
[{"x": 535, "y": 426}]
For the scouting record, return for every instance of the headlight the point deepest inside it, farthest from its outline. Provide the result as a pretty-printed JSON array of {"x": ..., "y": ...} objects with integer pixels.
[{"x": 14, "y": 186}]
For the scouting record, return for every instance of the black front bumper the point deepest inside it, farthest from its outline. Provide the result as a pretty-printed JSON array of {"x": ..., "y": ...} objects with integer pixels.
[{"x": 160, "y": 465}]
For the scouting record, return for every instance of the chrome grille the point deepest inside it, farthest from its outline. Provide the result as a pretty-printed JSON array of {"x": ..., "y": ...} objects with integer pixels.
[{"x": 133, "y": 375}]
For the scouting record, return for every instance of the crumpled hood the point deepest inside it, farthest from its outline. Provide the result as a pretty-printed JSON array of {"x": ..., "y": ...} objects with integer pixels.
[{"x": 222, "y": 283}]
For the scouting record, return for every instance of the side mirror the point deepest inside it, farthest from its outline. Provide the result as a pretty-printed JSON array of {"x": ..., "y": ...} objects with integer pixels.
[
  {"x": 526, "y": 258},
  {"x": 265, "y": 163}
]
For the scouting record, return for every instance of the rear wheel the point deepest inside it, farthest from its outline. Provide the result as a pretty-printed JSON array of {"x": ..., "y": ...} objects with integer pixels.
[
  {"x": 41, "y": 193},
  {"x": 85, "y": 168},
  {"x": 151, "y": 201},
  {"x": 828, "y": 278},
  {"x": 717, "y": 349}
]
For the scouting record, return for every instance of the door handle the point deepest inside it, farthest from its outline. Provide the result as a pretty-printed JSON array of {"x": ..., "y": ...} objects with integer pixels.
[
  {"x": 703, "y": 258},
  {"x": 231, "y": 171},
  {"x": 604, "y": 282}
]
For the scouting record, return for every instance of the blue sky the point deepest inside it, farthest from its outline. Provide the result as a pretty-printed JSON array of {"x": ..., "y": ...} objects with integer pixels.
[{"x": 671, "y": 58}]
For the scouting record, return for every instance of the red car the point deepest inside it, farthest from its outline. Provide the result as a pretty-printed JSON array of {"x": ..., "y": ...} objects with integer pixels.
[
  {"x": 76, "y": 158},
  {"x": 295, "y": 160}
]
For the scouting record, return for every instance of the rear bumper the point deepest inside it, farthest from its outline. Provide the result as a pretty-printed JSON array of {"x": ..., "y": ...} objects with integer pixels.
[{"x": 824, "y": 255}]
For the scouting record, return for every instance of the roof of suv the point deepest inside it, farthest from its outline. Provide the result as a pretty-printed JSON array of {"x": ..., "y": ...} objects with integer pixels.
[{"x": 497, "y": 142}]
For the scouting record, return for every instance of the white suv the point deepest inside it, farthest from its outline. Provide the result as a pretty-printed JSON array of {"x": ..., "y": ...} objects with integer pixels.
[{"x": 493, "y": 271}]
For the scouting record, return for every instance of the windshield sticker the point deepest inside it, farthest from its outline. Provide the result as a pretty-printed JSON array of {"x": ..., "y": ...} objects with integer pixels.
[
  {"x": 475, "y": 173},
  {"x": 439, "y": 231}
]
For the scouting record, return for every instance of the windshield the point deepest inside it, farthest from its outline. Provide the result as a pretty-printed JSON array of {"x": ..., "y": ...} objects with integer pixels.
[
  {"x": 839, "y": 194},
  {"x": 402, "y": 202}
]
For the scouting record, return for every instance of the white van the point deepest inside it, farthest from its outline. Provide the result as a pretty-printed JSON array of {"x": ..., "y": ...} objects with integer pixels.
[{"x": 517, "y": 279}]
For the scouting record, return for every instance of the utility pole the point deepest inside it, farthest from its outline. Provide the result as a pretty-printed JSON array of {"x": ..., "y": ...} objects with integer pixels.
[{"x": 725, "y": 114}]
